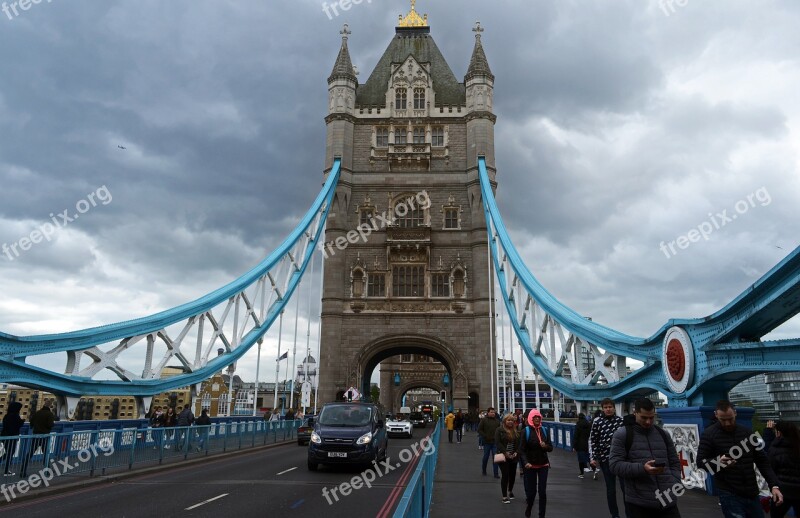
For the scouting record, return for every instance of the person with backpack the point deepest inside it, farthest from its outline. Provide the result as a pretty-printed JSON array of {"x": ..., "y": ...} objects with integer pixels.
[
  {"x": 533, "y": 450},
  {"x": 603, "y": 428},
  {"x": 581, "y": 445},
  {"x": 644, "y": 457}
]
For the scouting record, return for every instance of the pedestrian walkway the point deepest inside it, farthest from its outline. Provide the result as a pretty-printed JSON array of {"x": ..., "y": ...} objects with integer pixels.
[{"x": 460, "y": 490}]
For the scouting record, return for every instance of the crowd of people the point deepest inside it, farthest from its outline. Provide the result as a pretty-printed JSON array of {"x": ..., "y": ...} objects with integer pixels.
[{"x": 643, "y": 457}]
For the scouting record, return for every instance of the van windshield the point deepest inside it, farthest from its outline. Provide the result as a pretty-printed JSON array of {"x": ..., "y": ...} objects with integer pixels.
[{"x": 345, "y": 415}]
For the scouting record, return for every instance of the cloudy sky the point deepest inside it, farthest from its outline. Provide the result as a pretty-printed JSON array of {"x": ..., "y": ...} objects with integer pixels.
[{"x": 621, "y": 125}]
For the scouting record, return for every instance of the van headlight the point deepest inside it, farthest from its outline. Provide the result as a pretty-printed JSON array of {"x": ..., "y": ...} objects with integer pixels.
[
  {"x": 365, "y": 439},
  {"x": 315, "y": 438}
]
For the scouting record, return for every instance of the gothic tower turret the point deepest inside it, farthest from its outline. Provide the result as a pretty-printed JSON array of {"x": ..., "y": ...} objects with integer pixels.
[{"x": 479, "y": 83}]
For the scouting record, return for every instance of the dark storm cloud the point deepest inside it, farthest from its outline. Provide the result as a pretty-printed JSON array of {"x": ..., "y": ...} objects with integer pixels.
[{"x": 618, "y": 128}]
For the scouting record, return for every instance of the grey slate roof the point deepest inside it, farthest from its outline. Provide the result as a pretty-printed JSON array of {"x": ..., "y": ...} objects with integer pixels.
[
  {"x": 417, "y": 42},
  {"x": 479, "y": 65},
  {"x": 344, "y": 65}
]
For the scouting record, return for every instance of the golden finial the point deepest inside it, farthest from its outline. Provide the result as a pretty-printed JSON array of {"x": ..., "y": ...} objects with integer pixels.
[{"x": 413, "y": 19}]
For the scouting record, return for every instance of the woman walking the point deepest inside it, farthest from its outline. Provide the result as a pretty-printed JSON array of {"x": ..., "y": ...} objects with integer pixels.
[
  {"x": 506, "y": 439},
  {"x": 533, "y": 450},
  {"x": 784, "y": 457},
  {"x": 581, "y": 442}
]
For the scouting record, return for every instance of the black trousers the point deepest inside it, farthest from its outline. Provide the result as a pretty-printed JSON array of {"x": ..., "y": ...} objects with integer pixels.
[
  {"x": 637, "y": 511},
  {"x": 508, "y": 474}
]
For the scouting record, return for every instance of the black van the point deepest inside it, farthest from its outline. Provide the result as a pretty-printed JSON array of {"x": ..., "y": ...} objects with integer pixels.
[{"x": 348, "y": 433}]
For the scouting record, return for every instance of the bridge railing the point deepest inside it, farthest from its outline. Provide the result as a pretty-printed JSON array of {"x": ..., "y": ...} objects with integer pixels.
[
  {"x": 562, "y": 434},
  {"x": 98, "y": 450},
  {"x": 416, "y": 500}
]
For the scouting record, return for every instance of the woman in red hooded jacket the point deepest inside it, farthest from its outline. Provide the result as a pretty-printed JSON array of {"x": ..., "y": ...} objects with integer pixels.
[{"x": 533, "y": 450}]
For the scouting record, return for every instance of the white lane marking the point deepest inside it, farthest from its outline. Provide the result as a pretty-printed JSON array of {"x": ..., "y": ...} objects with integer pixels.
[
  {"x": 206, "y": 501},
  {"x": 287, "y": 471}
]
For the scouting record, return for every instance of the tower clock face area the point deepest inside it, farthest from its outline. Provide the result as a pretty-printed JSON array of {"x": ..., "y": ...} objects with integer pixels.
[{"x": 406, "y": 284}]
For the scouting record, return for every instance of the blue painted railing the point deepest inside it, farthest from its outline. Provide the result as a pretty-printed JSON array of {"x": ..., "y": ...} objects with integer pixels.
[
  {"x": 100, "y": 448},
  {"x": 416, "y": 499},
  {"x": 561, "y": 434}
]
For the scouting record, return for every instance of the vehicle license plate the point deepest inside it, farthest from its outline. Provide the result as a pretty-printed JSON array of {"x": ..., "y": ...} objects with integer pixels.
[{"x": 337, "y": 454}]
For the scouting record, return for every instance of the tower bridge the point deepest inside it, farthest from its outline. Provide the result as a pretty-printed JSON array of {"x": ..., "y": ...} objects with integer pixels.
[{"x": 415, "y": 252}]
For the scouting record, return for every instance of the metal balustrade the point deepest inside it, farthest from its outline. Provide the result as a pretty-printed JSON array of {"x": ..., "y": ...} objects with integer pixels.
[
  {"x": 97, "y": 451},
  {"x": 416, "y": 499}
]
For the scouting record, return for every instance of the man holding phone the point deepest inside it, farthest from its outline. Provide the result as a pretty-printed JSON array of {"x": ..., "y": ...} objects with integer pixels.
[
  {"x": 729, "y": 451},
  {"x": 644, "y": 457}
]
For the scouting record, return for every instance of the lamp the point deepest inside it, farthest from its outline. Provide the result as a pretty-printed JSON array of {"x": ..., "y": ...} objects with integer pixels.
[
  {"x": 396, "y": 379},
  {"x": 446, "y": 379}
]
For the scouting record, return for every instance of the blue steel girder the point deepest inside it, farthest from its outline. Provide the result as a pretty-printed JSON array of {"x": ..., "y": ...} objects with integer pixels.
[
  {"x": 233, "y": 318},
  {"x": 686, "y": 359}
]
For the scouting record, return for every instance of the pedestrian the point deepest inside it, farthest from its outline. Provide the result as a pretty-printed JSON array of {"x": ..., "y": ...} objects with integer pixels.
[
  {"x": 42, "y": 422},
  {"x": 458, "y": 423},
  {"x": 276, "y": 415},
  {"x": 289, "y": 415},
  {"x": 185, "y": 420},
  {"x": 581, "y": 445},
  {"x": 534, "y": 445},
  {"x": 784, "y": 459},
  {"x": 486, "y": 429},
  {"x": 507, "y": 439},
  {"x": 204, "y": 425},
  {"x": 12, "y": 424},
  {"x": 449, "y": 423},
  {"x": 157, "y": 419},
  {"x": 643, "y": 456},
  {"x": 729, "y": 451},
  {"x": 170, "y": 421},
  {"x": 603, "y": 428}
]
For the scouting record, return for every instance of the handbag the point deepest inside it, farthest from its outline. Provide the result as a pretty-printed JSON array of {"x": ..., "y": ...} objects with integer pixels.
[{"x": 499, "y": 457}]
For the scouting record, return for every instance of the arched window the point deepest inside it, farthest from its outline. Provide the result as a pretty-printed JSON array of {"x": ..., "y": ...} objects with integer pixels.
[
  {"x": 419, "y": 98},
  {"x": 400, "y": 99}
]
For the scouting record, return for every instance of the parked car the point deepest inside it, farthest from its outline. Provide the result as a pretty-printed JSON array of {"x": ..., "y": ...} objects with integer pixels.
[
  {"x": 417, "y": 420},
  {"x": 400, "y": 425},
  {"x": 348, "y": 433},
  {"x": 304, "y": 432}
]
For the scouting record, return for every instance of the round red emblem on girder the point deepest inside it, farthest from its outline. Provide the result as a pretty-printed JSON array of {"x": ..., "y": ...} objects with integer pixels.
[{"x": 676, "y": 359}]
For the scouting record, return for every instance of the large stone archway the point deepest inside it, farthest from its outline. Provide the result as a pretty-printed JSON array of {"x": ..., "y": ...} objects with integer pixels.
[
  {"x": 398, "y": 392},
  {"x": 386, "y": 347}
]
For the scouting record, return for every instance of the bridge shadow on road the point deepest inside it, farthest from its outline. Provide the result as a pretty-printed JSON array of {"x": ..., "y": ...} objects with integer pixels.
[{"x": 460, "y": 489}]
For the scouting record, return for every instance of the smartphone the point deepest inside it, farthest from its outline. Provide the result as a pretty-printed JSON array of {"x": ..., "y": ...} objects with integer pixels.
[{"x": 659, "y": 464}]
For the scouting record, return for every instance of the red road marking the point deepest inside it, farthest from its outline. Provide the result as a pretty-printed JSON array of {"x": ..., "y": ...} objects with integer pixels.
[{"x": 395, "y": 494}]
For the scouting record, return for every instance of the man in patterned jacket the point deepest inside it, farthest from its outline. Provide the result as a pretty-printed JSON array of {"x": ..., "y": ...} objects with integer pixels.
[{"x": 603, "y": 428}]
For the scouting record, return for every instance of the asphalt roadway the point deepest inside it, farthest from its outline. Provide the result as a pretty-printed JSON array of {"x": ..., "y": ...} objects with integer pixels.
[
  {"x": 270, "y": 481},
  {"x": 460, "y": 489}
]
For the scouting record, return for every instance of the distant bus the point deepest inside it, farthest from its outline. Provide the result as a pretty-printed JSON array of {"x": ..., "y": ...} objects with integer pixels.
[{"x": 427, "y": 411}]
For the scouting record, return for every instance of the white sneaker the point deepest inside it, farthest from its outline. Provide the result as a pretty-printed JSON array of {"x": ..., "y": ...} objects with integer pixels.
[
  {"x": 580, "y": 476},
  {"x": 594, "y": 476}
]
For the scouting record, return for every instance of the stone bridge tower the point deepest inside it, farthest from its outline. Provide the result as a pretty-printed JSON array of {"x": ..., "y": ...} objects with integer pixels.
[{"x": 406, "y": 278}]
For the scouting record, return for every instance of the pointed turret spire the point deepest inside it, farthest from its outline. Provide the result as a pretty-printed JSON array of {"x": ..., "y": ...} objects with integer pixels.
[
  {"x": 478, "y": 65},
  {"x": 343, "y": 68}
]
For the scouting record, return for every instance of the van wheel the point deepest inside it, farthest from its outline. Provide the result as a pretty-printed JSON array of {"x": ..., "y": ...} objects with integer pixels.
[{"x": 312, "y": 466}]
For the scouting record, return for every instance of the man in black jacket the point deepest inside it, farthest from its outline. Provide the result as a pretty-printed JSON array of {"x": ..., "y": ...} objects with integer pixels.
[
  {"x": 603, "y": 428},
  {"x": 42, "y": 422},
  {"x": 12, "y": 423},
  {"x": 729, "y": 451}
]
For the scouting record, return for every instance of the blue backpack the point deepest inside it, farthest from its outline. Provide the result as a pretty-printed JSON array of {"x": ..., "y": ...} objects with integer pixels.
[{"x": 545, "y": 433}]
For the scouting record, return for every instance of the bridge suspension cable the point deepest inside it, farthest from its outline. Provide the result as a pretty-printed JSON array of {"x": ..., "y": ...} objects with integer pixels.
[
  {"x": 232, "y": 318},
  {"x": 692, "y": 361}
]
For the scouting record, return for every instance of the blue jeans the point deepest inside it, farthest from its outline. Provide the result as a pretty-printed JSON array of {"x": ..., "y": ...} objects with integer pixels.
[
  {"x": 735, "y": 506},
  {"x": 488, "y": 455},
  {"x": 611, "y": 490},
  {"x": 535, "y": 479}
]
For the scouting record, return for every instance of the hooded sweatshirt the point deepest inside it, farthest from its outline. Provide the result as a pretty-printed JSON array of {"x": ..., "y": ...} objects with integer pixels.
[
  {"x": 12, "y": 422},
  {"x": 530, "y": 448}
]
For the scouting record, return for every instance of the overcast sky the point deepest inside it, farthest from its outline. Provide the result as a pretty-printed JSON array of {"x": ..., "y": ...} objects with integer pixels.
[{"x": 621, "y": 125}]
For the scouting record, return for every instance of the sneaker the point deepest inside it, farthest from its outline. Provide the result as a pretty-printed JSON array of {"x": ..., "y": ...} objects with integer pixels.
[
  {"x": 580, "y": 476},
  {"x": 8, "y": 474},
  {"x": 506, "y": 501},
  {"x": 510, "y": 495},
  {"x": 594, "y": 476}
]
